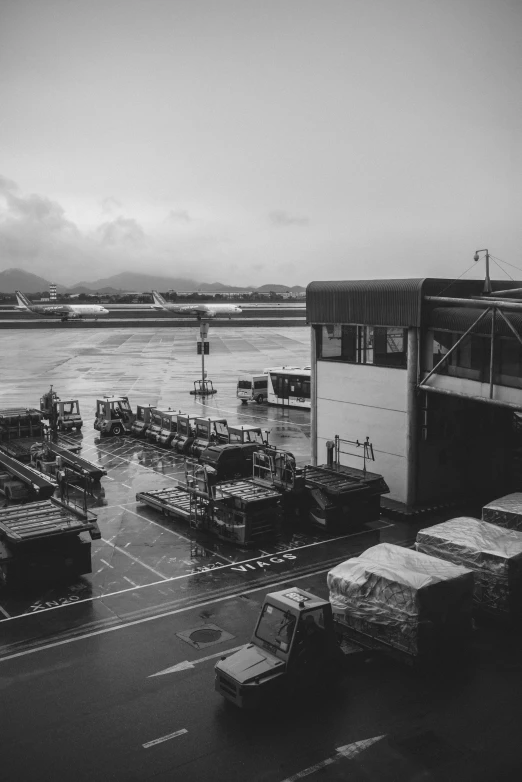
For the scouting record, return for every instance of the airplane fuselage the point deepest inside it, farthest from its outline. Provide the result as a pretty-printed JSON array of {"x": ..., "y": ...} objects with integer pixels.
[{"x": 65, "y": 311}]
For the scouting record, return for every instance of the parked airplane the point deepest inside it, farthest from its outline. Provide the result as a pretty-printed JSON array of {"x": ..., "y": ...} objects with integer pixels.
[
  {"x": 63, "y": 311},
  {"x": 199, "y": 310}
]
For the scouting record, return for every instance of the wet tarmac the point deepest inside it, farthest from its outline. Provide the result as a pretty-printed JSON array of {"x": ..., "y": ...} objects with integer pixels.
[
  {"x": 139, "y": 548},
  {"x": 93, "y": 646}
]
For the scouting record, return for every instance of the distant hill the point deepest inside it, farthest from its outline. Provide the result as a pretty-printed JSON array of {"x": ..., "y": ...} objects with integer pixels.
[
  {"x": 83, "y": 289},
  {"x": 280, "y": 289},
  {"x": 219, "y": 286},
  {"x": 12, "y": 280},
  {"x": 132, "y": 281},
  {"x": 17, "y": 279}
]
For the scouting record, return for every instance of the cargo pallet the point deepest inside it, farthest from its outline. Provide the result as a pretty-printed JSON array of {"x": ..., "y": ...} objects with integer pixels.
[{"x": 42, "y": 541}]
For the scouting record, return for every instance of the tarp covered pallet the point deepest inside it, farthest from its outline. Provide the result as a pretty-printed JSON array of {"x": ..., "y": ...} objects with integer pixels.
[
  {"x": 493, "y": 553},
  {"x": 409, "y": 601},
  {"x": 505, "y": 512}
]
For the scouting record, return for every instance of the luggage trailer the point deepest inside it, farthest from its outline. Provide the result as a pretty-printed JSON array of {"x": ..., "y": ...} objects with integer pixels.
[
  {"x": 42, "y": 541},
  {"x": 238, "y": 511}
]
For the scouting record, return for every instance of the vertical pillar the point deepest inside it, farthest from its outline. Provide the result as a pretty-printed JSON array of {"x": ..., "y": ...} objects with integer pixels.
[
  {"x": 412, "y": 416},
  {"x": 313, "y": 393}
]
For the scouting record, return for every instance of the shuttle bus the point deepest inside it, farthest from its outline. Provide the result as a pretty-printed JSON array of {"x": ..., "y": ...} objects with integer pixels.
[
  {"x": 289, "y": 386},
  {"x": 252, "y": 388}
]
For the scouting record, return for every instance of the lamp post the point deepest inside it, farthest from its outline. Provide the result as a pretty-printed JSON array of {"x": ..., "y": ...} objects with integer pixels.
[{"x": 487, "y": 281}]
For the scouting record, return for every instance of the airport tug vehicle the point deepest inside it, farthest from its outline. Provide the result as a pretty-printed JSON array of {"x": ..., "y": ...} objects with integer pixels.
[
  {"x": 62, "y": 414},
  {"x": 114, "y": 416},
  {"x": 141, "y": 423},
  {"x": 294, "y": 644}
]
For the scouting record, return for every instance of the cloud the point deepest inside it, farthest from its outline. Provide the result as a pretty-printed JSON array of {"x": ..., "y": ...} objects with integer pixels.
[
  {"x": 121, "y": 230},
  {"x": 7, "y": 185},
  {"x": 36, "y": 234},
  {"x": 110, "y": 205},
  {"x": 179, "y": 216},
  {"x": 281, "y": 218}
]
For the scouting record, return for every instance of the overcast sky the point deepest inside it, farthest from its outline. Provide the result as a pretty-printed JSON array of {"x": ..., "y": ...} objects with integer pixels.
[{"x": 257, "y": 141}]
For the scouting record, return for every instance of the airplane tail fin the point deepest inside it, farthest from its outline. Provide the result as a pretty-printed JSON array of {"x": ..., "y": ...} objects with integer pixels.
[
  {"x": 159, "y": 301},
  {"x": 23, "y": 301}
]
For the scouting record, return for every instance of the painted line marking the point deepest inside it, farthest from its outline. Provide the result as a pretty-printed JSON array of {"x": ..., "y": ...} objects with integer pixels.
[
  {"x": 150, "y": 521},
  {"x": 130, "y": 581},
  {"x": 126, "y": 485},
  {"x": 164, "y": 738},
  {"x": 155, "y": 616},
  {"x": 197, "y": 572},
  {"x": 106, "y": 563},
  {"x": 186, "y": 664},
  {"x": 347, "y": 751},
  {"x": 4, "y": 612},
  {"x": 110, "y": 507},
  {"x": 133, "y": 464},
  {"x": 135, "y": 559}
]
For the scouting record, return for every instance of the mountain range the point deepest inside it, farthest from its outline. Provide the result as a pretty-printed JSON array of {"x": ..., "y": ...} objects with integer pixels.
[{"x": 18, "y": 279}]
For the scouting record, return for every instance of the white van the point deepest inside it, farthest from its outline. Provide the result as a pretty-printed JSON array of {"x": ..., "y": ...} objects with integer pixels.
[{"x": 252, "y": 388}]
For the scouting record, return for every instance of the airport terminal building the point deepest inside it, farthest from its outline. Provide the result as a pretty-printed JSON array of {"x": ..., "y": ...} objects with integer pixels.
[{"x": 431, "y": 371}]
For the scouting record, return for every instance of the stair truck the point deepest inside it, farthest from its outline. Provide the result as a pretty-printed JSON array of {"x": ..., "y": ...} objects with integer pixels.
[
  {"x": 44, "y": 542},
  {"x": 141, "y": 423},
  {"x": 387, "y": 600},
  {"x": 64, "y": 414},
  {"x": 114, "y": 416}
]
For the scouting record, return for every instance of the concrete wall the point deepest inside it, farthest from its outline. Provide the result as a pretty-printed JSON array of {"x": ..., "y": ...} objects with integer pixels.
[{"x": 358, "y": 400}]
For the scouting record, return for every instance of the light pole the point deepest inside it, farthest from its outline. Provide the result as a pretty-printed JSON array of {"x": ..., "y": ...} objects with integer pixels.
[{"x": 487, "y": 281}]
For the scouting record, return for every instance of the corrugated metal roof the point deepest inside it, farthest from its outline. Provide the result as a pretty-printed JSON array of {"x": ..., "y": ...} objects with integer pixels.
[
  {"x": 375, "y": 302},
  {"x": 395, "y": 302},
  {"x": 459, "y": 319}
]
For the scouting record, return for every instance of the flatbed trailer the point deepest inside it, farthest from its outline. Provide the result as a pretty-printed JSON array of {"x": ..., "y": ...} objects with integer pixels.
[
  {"x": 19, "y": 481},
  {"x": 41, "y": 541},
  {"x": 173, "y": 501},
  {"x": 237, "y": 511}
]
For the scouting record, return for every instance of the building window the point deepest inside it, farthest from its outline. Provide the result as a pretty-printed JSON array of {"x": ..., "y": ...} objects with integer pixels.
[
  {"x": 471, "y": 359},
  {"x": 384, "y": 346}
]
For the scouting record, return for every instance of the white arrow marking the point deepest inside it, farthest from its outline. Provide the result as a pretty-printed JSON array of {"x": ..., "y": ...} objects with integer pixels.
[
  {"x": 186, "y": 664},
  {"x": 164, "y": 738},
  {"x": 347, "y": 751}
]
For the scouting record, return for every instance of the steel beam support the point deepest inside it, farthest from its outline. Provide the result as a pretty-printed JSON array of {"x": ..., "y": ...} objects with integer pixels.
[
  {"x": 313, "y": 392},
  {"x": 491, "y": 353},
  {"x": 513, "y": 329},
  {"x": 487, "y": 400},
  {"x": 457, "y": 343},
  {"x": 412, "y": 380},
  {"x": 515, "y": 306}
]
